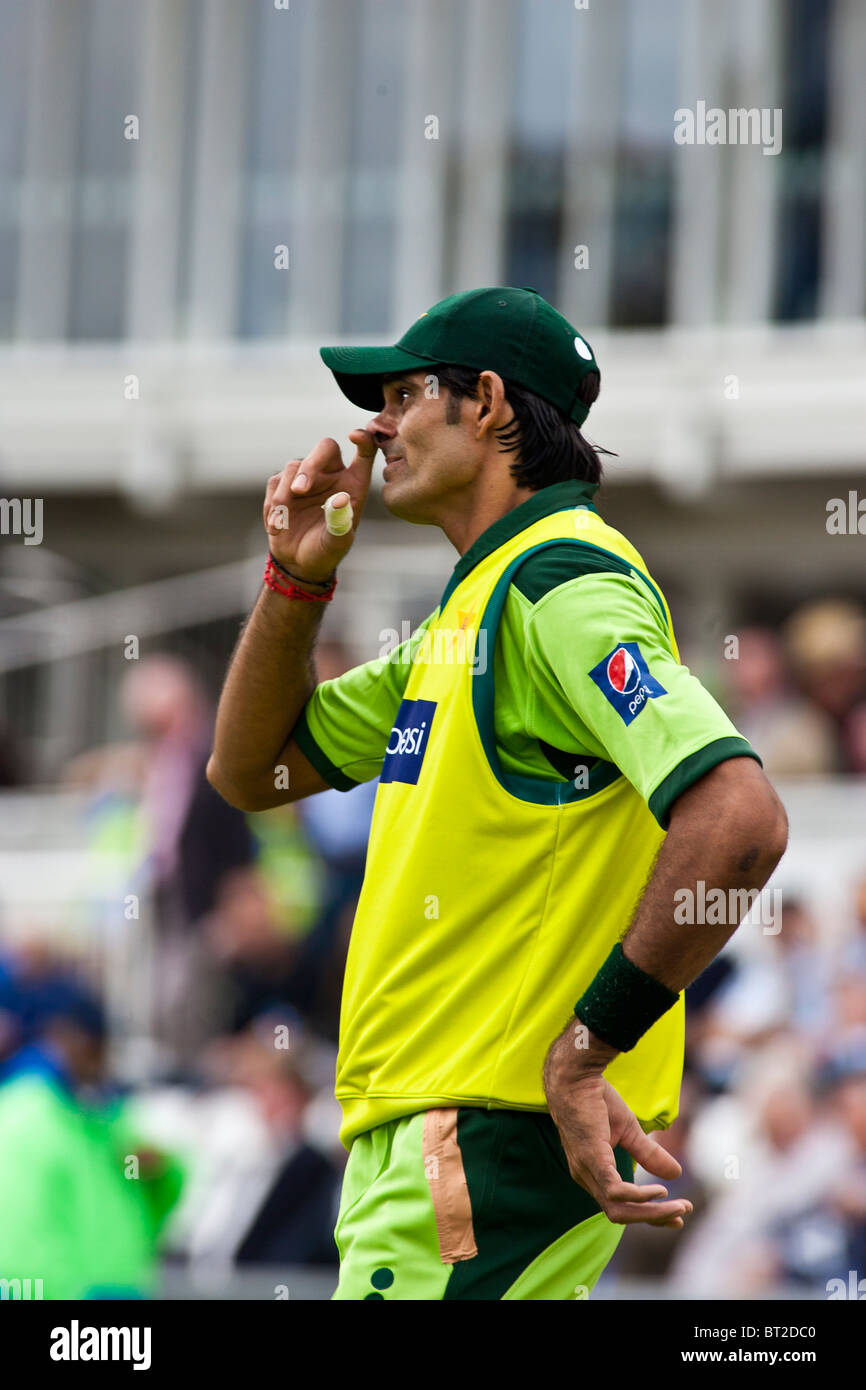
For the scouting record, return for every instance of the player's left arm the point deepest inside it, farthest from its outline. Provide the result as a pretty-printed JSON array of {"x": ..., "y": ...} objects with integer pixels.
[
  {"x": 728, "y": 829},
  {"x": 725, "y": 826}
]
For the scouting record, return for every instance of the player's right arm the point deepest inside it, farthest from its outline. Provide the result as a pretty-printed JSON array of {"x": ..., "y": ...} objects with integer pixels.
[{"x": 272, "y": 674}]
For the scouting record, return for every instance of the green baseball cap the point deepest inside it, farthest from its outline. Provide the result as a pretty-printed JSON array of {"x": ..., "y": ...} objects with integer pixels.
[{"x": 515, "y": 333}]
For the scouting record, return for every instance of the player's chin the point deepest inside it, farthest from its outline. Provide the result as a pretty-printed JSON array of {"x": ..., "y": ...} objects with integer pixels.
[{"x": 401, "y": 498}]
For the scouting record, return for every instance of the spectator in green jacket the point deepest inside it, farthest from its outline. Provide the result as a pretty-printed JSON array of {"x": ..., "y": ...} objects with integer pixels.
[{"x": 81, "y": 1202}]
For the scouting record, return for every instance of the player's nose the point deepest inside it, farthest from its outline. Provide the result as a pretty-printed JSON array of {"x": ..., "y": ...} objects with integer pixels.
[{"x": 382, "y": 428}]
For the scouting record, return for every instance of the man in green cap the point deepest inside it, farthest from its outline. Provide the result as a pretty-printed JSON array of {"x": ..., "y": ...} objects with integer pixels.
[{"x": 551, "y": 779}]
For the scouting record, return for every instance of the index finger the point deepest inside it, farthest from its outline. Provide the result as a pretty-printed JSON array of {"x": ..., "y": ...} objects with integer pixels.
[
  {"x": 366, "y": 449},
  {"x": 599, "y": 1175},
  {"x": 670, "y": 1213},
  {"x": 324, "y": 458},
  {"x": 621, "y": 1191}
]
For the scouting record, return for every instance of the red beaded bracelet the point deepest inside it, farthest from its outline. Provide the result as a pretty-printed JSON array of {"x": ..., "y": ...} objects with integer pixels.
[{"x": 272, "y": 579}]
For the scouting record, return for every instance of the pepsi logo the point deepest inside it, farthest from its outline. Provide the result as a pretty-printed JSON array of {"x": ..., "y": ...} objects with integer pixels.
[
  {"x": 408, "y": 740},
  {"x": 623, "y": 671},
  {"x": 624, "y": 680}
]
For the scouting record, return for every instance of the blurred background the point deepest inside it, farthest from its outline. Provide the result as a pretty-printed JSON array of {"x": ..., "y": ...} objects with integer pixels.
[{"x": 194, "y": 196}]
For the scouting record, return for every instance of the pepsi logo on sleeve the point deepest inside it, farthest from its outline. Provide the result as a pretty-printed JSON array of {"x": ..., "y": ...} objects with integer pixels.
[{"x": 625, "y": 682}]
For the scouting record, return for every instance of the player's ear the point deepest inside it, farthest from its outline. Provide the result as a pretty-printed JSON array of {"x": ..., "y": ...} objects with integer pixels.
[{"x": 492, "y": 407}]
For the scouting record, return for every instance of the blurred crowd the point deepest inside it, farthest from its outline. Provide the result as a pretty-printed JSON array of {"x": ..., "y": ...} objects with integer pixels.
[
  {"x": 215, "y": 1089},
  {"x": 771, "y": 1132},
  {"x": 199, "y": 1129},
  {"x": 799, "y": 694}
]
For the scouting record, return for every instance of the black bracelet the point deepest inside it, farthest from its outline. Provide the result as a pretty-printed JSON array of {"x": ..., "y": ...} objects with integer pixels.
[{"x": 315, "y": 583}]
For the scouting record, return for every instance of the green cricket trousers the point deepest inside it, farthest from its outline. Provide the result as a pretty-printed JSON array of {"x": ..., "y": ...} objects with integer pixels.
[{"x": 468, "y": 1203}]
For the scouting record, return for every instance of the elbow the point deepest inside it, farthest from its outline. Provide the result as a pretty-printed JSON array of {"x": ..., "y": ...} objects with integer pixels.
[
  {"x": 762, "y": 825},
  {"x": 774, "y": 842},
  {"x": 240, "y": 797},
  {"x": 736, "y": 808},
  {"x": 779, "y": 832},
  {"x": 215, "y": 778}
]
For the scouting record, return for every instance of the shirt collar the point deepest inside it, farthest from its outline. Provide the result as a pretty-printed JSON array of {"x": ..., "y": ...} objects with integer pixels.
[{"x": 557, "y": 497}]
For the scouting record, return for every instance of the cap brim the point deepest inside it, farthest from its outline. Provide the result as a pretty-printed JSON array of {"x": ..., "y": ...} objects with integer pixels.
[{"x": 358, "y": 371}]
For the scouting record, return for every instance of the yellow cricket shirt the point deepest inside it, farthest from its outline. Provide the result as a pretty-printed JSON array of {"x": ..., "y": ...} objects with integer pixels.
[{"x": 530, "y": 738}]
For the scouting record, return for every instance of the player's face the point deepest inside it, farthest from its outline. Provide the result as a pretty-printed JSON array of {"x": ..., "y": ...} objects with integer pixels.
[{"x": 430, "y": 456}]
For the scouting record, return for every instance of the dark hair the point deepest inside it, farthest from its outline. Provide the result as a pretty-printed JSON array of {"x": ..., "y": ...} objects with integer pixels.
[{"x": 551, "y": 446}]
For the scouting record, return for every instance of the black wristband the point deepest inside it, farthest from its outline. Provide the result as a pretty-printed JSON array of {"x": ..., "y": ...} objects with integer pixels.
[
  {"x": 622, "y": 1002},
  {"x": 314, "y": 583}
]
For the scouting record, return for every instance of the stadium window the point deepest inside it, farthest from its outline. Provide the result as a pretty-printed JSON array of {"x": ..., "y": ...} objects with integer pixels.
[
  {"x": 15, "y": 23},
  {"x": 269, "y": 218},
  {"x": 804, "y": 103},
  {"x": 192, "y": 79},
  {"x": 101, "y": 216},
  {"x": 535, "y": 162},
  {"x": 375, "y": 160},
  {"x": 644, "y": 163}
]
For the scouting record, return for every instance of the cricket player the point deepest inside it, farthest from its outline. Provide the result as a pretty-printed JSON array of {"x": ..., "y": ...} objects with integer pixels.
[{"x": 551, "y": 777}]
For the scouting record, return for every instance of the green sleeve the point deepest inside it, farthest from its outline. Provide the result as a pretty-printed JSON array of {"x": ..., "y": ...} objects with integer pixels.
[
  {"x": 37, "y": 1229},
  {"x": 662, "y": 741},
  {"x": 345, "y": 725},
  {"x": 162, "y": 1175}
]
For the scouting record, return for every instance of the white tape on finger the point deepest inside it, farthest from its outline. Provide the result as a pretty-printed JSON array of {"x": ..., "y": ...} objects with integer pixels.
[{"x": 337, "y": 519}]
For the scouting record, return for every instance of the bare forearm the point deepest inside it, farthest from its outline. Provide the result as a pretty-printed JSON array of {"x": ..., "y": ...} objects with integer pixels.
[
  {"x": 271, "y": 675},
  {"x": 270, "y": 678},
  {"x": 726, "y": 836},
  {"x": 729, "y": 831},
  {"x": 717, "y": 849}
]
